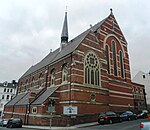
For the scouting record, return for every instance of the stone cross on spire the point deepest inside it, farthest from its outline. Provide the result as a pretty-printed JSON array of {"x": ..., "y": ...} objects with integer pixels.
[{"x": 111, "y": 11}]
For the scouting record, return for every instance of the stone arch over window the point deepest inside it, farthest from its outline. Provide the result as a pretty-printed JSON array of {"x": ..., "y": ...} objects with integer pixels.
[
  {"x": 65, "y": 73},
  {"x": 107, "y": 58},
  {"x": 91, "y": 69},
  {"x": 53, "y": 73},
  {"x": 112, "y": 35},
  {"x": 116, "y": 55}
]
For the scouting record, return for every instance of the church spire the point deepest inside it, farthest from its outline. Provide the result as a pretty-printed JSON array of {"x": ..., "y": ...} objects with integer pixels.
[{"x": 64, "y": 34}]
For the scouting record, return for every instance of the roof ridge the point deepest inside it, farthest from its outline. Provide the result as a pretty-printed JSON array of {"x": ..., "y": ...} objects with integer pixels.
[{"x": 73, "y": 44}]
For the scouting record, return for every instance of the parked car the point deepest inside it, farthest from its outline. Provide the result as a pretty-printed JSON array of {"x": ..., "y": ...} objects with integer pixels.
[
  {"x": 3, "y": 122},
  {"x": 14, "y": 122},
  {"x": 142, "y": 115},
  {"x": 124, "y": 116},
  {"x": 145, "y": 111},
  {"x": 128, "y": 115},
  {"x": 132, "y": 115},
  {"x": 108, "y": 118},
  {"x": 145, "y": 126}
]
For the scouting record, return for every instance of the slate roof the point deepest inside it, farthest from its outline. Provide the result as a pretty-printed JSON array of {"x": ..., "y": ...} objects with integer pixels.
[
  {"x": 57, "y": 54},
  {"x": 24, "y": 100},
  {"x": 44, "y": 96},
  {"x": 16, "y": 99}
]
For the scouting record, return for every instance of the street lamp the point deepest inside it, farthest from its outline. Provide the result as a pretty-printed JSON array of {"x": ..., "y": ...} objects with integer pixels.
[{"x": 129, "y": 106}]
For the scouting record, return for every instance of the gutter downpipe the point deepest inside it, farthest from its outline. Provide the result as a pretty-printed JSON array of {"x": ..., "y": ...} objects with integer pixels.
[
  {"x": 70, "y": 79},
  {"x": 27, "y": 113},
  {"x": 13, "y": 111}
]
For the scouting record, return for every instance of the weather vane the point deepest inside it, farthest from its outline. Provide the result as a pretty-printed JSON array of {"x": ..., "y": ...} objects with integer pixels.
[
  {"x": 66, "y": 8},
  {"x": 111, "y": 10}
]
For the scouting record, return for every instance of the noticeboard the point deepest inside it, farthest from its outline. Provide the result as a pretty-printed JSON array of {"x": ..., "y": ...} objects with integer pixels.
[
  {"x": 70, "y": 110},
  {"x": 51, "y": 109}
]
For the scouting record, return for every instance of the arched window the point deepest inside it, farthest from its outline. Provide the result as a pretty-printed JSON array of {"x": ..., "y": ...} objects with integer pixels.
[
  {"x": 34, "y": 110},
  {"x": 40, "y": 80},
  {"x": 107, "y": 58},
  {"x": 32, "y": 82},
  {"x": 27, "y": 84},
  {"x": 141, "y": 91},
  {"x": 133, "y": 90},
  {"x": 53, "y": 77},
  {"x": 91, "y": 69},
  {"x": 121, "y": 64},
  {"x": 20, "y": 87},
  {"x": 65, "y": 73},
  {"x": 137, "y": 91},
  {"x": 114, "y": 57}
]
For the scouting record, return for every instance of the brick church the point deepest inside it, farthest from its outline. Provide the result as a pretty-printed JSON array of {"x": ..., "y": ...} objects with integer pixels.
[{"x": 83, "y": 77}]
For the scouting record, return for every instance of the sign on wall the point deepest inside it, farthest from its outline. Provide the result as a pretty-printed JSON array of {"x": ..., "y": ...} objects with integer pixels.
[
  {"x": 51, "y": 109},
  {"x": 70, "y": 110}
]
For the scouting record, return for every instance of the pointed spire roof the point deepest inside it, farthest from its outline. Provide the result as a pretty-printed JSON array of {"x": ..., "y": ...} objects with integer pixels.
[{"x": 64, "y": 34}]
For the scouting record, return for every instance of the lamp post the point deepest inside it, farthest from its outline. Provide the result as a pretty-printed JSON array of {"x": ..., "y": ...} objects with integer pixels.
[
  {"x": 51, "y": 109},
  {"x": 129, "y": 106}
]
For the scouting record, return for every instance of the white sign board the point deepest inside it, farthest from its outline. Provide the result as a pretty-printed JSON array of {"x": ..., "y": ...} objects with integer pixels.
[{"x": 70, "y": 110}]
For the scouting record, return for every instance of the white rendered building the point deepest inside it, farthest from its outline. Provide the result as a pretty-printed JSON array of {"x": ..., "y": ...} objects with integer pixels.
[
  {"x": 143, "y": 78},
  {"x": 7, "y": 92}
]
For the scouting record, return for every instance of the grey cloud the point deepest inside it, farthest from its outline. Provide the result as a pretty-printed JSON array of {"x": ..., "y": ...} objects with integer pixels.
[{"x": 30, "y": 28}]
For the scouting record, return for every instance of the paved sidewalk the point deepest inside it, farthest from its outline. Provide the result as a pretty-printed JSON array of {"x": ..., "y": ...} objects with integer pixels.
[{"x": 61, "y": 128}]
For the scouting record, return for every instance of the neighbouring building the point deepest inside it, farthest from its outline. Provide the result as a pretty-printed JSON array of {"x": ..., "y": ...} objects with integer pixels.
[
  {"x": 7, "y": 92},
  {"x": 83, "y": 77},
  {"x": 144, "y": 78},
  {"x": 139, "y": 97}
]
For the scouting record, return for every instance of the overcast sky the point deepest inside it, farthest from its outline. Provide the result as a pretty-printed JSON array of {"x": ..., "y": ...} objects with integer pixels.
[{"x": 30, "y": 28}]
